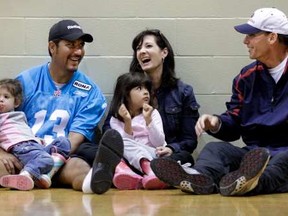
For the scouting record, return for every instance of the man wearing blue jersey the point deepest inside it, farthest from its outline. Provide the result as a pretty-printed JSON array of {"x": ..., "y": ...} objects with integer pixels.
[
  {"x": 257, "y": 112},
  {"x": 60, "y": 100}
]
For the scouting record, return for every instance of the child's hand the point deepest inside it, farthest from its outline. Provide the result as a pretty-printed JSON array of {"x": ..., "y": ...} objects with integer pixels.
[
  {"x": 147, "y": 112},
  {"x": 124, "y": 113}
]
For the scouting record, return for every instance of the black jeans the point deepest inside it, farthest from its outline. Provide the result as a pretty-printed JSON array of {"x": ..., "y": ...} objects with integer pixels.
[{"x": 183, "y": 157}]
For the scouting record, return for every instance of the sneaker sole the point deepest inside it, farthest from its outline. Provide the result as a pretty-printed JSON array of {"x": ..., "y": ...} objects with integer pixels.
[
  {"x": 200, "y": 185},
  {"x": 170, "y": 172},
  {"x": 108, "y": 156},
  {"x": 246, "y": 177},
  {"x": 19, "y": 182}
]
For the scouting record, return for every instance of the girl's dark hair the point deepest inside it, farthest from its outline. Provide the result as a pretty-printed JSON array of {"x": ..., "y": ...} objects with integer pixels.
[
  {"x": 168, "y": 76},
  {"x": 124, "y": 84},
  {"x": 14, "y": 87}
]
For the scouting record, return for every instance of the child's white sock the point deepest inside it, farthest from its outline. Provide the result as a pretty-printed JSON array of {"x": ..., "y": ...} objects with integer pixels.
[
  {"x": 25, "y": 173},
  {"x": 86, "y": 188}
]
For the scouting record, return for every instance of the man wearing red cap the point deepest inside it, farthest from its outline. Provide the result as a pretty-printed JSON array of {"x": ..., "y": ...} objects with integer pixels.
[
  {"x": 257, "y": 113},
  {"x": 60, "y": 100}
]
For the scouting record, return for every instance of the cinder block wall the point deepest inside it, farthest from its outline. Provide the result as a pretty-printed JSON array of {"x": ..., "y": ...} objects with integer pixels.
[{"x": 209, "y": 53}]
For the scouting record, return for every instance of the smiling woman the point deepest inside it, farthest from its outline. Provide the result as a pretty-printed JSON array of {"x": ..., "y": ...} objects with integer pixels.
[
  {"x": 150, "y": 56},
  {"x": 175, "y": 100}
]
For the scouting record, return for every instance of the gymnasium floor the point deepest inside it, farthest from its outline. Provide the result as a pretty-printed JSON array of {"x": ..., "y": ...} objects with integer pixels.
[{"x": 56, "y": 202}]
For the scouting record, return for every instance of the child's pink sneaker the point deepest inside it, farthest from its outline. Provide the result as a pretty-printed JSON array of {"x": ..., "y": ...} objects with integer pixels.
[
  {"x": 125, "y": 179},
  {"x": 151, "y": 182},
  {"x": 19, "y": 182}
]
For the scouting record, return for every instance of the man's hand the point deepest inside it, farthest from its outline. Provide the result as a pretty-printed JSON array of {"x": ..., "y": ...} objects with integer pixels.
[
  {"x": 207, "y": 122},
  {"x": 10, "y": 162}
]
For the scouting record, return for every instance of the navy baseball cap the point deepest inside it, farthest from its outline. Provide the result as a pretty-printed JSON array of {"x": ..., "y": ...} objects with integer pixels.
[{"x": 68, "y": 30}]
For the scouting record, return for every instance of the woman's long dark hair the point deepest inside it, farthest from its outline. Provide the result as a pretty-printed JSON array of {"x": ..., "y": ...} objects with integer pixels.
[
  {"x": 124, "y": 84},
  {"x": 168, "y": 76}
]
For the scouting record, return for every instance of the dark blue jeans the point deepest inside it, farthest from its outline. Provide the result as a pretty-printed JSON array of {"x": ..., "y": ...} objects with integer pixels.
[
  {"x": 183, "y": 157},
  {"x": 219, "y": 158},
  {"x": 37, "y": 158}
]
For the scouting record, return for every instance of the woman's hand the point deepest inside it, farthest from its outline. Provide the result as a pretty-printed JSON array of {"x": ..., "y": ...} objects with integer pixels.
[{"x": 163, "y": 151}]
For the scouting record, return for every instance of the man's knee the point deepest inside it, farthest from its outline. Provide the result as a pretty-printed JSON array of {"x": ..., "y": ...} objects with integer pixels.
[
  {"x": 74, "y": 172},
  {"x": 216, "y": 146},
  {"x": 78, "y": 182}
]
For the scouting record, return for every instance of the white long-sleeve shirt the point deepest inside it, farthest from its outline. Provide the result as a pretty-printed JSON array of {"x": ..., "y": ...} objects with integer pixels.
[
  {"x": 14, "y": 129},
  {"x": 151, "y": 135}
]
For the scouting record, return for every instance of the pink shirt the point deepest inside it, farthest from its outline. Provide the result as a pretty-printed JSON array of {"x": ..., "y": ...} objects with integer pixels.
[
  {"x": 151, "y": 135},
  {"x": 14, "y": 129}
]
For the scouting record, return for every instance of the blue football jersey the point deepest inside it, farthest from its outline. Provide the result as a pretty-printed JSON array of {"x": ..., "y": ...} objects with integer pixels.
[{"x": 77, "y": 106}]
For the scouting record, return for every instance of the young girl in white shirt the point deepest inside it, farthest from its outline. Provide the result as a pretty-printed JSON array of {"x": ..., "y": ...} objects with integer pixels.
[{"x": 141, "y": 128}]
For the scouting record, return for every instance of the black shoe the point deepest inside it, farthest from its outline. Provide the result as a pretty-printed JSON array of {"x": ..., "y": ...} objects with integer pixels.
[
  {"x": 246, "y": 178},
  {"x": 107, "y": 158},
  {"x": 172, "y": 173}
]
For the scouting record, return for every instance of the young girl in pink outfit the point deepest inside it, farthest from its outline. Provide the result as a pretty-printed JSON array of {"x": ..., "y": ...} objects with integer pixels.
[
  {"x": 39, "y": 162},
  {"x": 140, "y": 125}
]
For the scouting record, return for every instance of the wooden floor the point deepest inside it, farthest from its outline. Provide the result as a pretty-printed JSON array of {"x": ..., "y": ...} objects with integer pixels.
[{"x": 142, "y": 202}]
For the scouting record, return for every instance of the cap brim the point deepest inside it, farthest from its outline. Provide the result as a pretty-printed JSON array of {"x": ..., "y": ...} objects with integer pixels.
[
  {"x": 246, "y": 29},
  {"x": 85, "y": 37}
]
